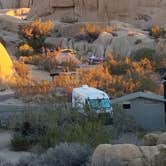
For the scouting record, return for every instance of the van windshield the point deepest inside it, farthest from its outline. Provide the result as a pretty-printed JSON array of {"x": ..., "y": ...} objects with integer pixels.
[{"x": 99, "y": 103}]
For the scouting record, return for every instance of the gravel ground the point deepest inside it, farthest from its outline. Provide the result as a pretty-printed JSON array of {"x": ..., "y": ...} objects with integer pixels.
[{"x": 5, "y": 151}]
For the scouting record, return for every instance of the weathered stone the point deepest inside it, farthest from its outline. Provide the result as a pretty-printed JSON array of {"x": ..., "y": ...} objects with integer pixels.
[
  {"x": 127, "y": 43},
  {"x": 126, "y": 155},
  {"x": 105, "y": 154},
  {"x": 137, "y": 162},
  {"x": 7, "y": 4},
  {"x": 151, "y": 139},
  {"x": 100, "y": 9},
  {"x": 162, "y": 139}
]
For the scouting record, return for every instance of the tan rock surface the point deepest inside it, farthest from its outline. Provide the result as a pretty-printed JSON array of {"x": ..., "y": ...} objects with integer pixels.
[
  {"x": 101, "y": 9},
  {"x": 6, "y": 4}
]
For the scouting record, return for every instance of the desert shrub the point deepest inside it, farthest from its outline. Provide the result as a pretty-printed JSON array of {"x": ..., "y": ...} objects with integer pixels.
[
  {"x": 51, "y": 60},
  {"x": 25, "y": 50},
  {"x": 36, "y": 32},
  {"x": 156, "y": 58},
  {"x": 144, "y": 53},
  {"x": 63, "y": 125},
  {"x": 74, "y": 127},
  {"x": 64, "y": 154},
  {"x": 93, "y": 31},
  {"x": 21, "y": 69},
  {"x": 148, "y": 84},
  {"x": 18, "y": 143},
  {"x": 116, "y": 77},
  {"x": 157, "y": 32}
]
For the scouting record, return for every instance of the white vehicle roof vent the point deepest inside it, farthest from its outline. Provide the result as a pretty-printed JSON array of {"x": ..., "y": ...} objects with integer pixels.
[{"x": 85, "y": 86}]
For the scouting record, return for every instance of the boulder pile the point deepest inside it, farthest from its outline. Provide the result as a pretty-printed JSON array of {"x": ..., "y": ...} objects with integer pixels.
[{"x": 127, "y": 155}]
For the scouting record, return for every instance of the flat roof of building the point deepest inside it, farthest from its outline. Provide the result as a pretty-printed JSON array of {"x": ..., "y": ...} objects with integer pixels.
[{"x": 150, "y": 96}]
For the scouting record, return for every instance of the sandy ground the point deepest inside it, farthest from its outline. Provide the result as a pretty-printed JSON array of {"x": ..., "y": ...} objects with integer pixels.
[
  {"x": 39, "y": 75},
  {"x": 5, "y": 151}
]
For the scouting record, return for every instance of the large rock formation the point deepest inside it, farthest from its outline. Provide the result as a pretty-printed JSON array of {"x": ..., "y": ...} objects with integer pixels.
[
  {"x": 125, "y": 40},
  {"x": 6, "y": 4},
  {"x": 100, "y": 9},
  {"x": 6, "y": 65},
  {"x": 127, "y": 155}
]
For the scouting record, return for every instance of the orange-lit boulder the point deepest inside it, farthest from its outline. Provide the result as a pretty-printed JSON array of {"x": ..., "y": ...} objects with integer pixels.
[{"x": 6, "y": 65}]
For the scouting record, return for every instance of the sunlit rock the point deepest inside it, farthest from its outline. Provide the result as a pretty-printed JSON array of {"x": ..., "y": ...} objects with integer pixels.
[{"x": 6, "y": 65}]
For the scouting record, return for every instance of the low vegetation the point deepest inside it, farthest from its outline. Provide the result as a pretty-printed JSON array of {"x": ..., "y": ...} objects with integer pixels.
[
  {"x": 116, "y": 77},
  {"x": 61, "y": 125},
  {"x": 35, "y": 33},
  {"x": 64, "y": 154},
  {"x": 92, "y": 31},
  {"x": 157, "y": 32}
]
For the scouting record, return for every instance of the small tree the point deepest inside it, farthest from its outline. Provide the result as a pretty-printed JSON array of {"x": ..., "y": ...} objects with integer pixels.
[{"x": 36, "y": 32}]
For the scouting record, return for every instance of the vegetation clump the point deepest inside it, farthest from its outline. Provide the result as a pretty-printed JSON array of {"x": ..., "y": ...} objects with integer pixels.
[
  {"x": 35, "y": 33},
  {"x": 48, "y": 129},
  {"x": 157, "y": 32}
]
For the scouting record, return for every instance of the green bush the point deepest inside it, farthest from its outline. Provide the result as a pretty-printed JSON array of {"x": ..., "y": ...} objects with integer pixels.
[
  {"x": 35, "y": 33},
  {"x": 19, "y": 143},
  {"x": 144, "y": 53},
  {"x": 50, "y": 128}
]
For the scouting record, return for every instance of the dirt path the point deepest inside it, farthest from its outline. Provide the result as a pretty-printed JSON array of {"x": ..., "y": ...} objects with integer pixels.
[{"x": 39, "y": 75}]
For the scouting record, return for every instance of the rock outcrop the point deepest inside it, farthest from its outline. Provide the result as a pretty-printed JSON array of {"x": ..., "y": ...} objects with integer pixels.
[
  {"x": 125, "y": 40},
  {"x": 126, "y": 154},
  {"x": 10, "y": 23},
  {"x": 151, "y": 139},
  {"x": 101, "y": 9},
  {"x": 6, "y": 65},
  {"x": 6, "y": 4}
]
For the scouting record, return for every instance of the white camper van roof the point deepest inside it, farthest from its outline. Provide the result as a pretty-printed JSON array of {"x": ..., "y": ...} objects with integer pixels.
[{"x": 89, "y": 92}]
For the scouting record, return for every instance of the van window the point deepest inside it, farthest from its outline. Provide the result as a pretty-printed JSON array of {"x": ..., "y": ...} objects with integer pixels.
[{"x": 99, "y": 103}]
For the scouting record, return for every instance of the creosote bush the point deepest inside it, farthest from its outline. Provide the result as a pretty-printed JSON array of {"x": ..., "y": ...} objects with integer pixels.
[
  {"x": 25, "y": 50},
  {"x": 35, "y": 33}
]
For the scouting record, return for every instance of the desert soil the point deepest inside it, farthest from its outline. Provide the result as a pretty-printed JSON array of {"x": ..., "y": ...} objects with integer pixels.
[{"x": 5, "y": 150}]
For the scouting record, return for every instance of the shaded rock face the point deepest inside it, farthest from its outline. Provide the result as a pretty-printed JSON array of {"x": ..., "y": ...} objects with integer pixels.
[
  {"x": 6, "y": 4},
  {"x": 97, "y": 9}
]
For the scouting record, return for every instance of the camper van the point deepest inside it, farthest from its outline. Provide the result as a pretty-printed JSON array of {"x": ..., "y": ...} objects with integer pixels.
[{"x": 91, "y": 98}]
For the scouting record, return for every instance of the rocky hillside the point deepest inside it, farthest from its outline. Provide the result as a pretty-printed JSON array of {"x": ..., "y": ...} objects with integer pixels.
[
  {"x": 6, "y": 4},
  {"x": 143, "y": 10}
]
